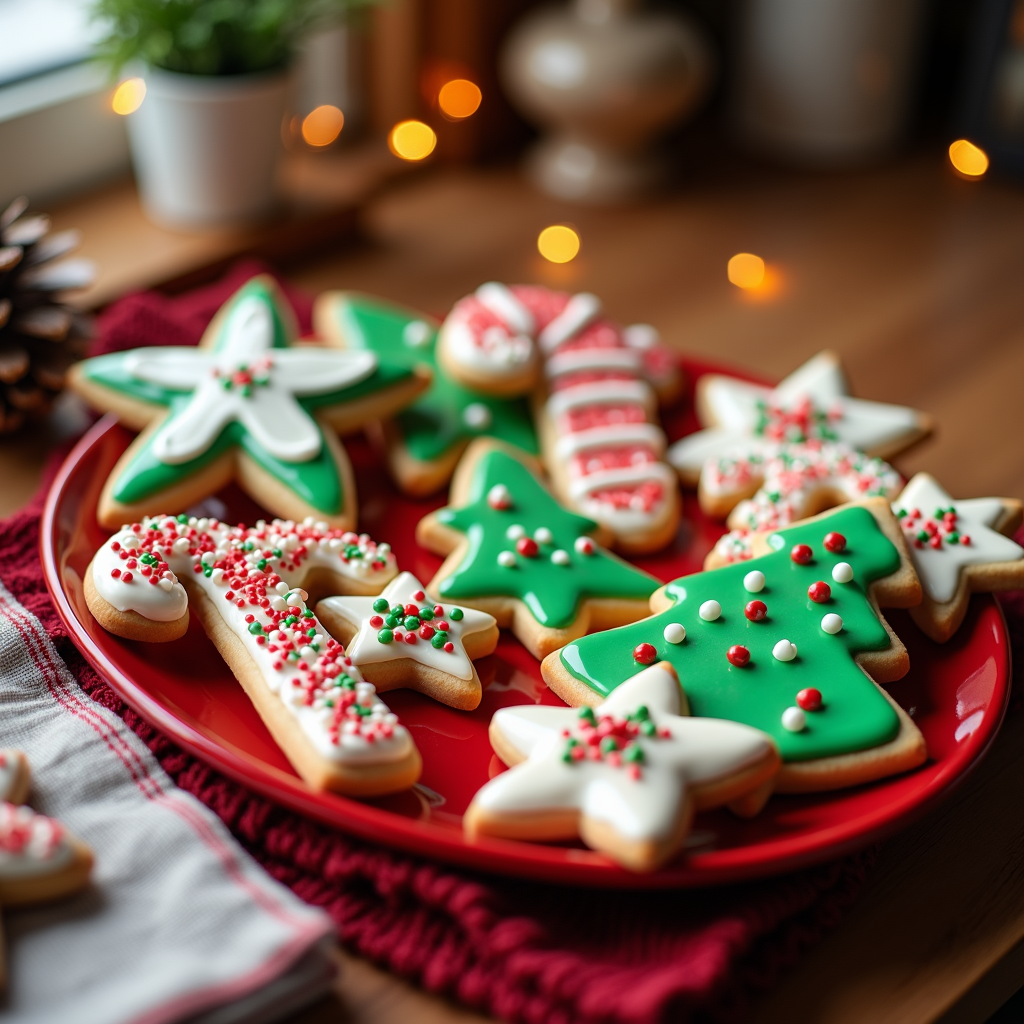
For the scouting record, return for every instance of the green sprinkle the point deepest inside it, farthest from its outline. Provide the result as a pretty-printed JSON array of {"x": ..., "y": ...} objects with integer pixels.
[
  {"x": 456, "y": 614},
  {"x": 311, "y": 632},
  {"x": 226, "y": 383},
  {"x": 633, "y": 753},
  {"x": 648, "y": 728},
  {"x": 902, "y": 514},
  {"x": 426, "y": 613},
  {"x": 307, "y": 614},
  {"x": 261, "y": 564},
  {"x": 608, "y": 744},
  {"x": 255, "y": 628},
  {"x": 922, "y": 535},
  {"x": 352, "y": 551},
  {"x": 381, "y": 605},
  {"x": 438, "y": 640},
  {"x": 412, "y": 622},
  {"x": 290, "y": 620},
  {"x": 385, "y": 636},
  {"x": 183, "y": 519},
  {"x": 953, "y": 538},
  {"x": 587, "y": 714}
]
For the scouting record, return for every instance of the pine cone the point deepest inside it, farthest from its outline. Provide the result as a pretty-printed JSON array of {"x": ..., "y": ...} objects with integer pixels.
[{"x": 40, "y": 337}]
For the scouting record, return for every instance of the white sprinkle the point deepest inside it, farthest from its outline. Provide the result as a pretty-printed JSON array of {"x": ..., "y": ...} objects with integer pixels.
[
  {"x": 843, "y": 572},
  {"x": 584, "y": 545},
  {"x": 416, "y": 333},
  {"x": 675, "y": 633},
  {"x": 542, "y": 535},
  {"x": 710, "y": 610},
  {"x": 753, "y": 582},
  {"x": 784, "y": 651},
  {"x": 794, "y": 719},
  {"x": 499, "y": 497},
  {"x": 477, "y": 416},
  {"x": 832, "y": 623},
  {"x": 515, "y": 531},
  {"x": 208, "y": 558},
  {"x": 167, "y": 585},
  {"x": 560, "y": 557},
  {"x": 507, "y": 559},
  {"x": 278, "y": 603},
  {"x": 180, "y": 546},
  {"x": 307, "y": 653},
  {"x": 282, "y": 588},
  {"x": 217, "y": 576}
]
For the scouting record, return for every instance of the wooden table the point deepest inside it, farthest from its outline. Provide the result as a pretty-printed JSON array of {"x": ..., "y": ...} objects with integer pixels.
[{"x": 915, "y": 278}]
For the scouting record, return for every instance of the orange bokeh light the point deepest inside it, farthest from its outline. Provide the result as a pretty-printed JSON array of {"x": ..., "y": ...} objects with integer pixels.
[
  {"x": 128, "y": 96},
  {"x": 459, "y": 99},
  {"x": 558, "y": 243},
  {"x": 412, "y": 140},
  {"x": 321, "y": 126},
  {"x": 968, "y": 159},
  {"x": 745, "y": 270}
]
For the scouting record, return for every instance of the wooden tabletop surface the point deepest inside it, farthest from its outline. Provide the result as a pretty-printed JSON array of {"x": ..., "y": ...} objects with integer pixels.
[{"x": 914, "y": 277}]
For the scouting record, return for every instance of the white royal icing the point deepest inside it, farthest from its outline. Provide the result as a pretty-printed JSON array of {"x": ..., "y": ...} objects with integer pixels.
[
  {"x": 602, "y": 392},
  {"x": 311, "y": 674},
  {"x": 266, "y": 407},
  {"x": 31, "y": 844},
  {"x": 641, "y": 804},
  {"x": 367, "y": 649},
  {"x": 579, "y": 311},
  {"x": 939, "y": 567},
  {"x": 579, "y": 360},
  {"x": 739, "y": 409}
]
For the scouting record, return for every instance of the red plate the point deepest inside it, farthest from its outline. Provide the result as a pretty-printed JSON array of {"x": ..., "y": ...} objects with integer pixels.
[{"x": 956, "y": 694}]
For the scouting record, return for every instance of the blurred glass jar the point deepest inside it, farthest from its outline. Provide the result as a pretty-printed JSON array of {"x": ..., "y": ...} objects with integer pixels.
[{"x": 824, "y": 81}]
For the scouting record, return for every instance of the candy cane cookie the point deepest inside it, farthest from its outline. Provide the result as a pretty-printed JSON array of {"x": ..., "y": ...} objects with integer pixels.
[
  {"x": 243, "y": 583},
  {"x": 596, "y": 407},
  {"x": 789, "y": 481}
]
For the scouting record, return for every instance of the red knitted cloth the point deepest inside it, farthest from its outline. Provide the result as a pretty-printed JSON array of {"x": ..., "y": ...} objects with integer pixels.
[{"x": 520, "y": 951}]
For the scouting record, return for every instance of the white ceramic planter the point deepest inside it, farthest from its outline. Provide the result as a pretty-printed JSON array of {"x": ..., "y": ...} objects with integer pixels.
[{"x": 206, "y": 149}]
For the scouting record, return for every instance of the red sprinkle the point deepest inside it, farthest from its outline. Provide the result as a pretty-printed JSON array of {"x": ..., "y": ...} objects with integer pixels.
[
  {"x": 418, "y": 596},
  {"x": 755, "y": 610},
  {"x": 115, "y": 573},
  {"x": 443, "y": 626},
  {"x": 449, "y": 647},
  {"x": 438, "y": 610},
  {"x": 965, "y": 539},
  {"x": 527, "y": 547},
  {"x": 410, "y": 638},
  {"x": 801, "y": 554},
  {"x": 809, "y": 699},
  {"x": 738, "y": 655},
  {"x": 126, "y": 578},
  {"x": 819, "y": 592},
  {"x": 835, "y": 542},
  {"x": 644, "y": 653},
  {"x": 411, "y": 609},
  {"x": 426, "y": 631},
  {"x": 376, "y": 621}
]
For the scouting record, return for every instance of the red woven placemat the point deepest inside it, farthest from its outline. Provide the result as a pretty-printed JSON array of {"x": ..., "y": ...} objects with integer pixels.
[{"x": 521, "y": 951}]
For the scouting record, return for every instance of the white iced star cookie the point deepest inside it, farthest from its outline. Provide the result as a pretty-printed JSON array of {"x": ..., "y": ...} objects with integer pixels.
[
  {"x": 405, "y": 639},
  {"x": 812, "y": 403},
  {"x": 958, "y": 548},
  {"x": 625, "y": 776}
]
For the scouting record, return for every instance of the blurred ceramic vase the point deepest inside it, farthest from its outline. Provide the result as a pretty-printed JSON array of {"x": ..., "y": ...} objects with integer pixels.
[
  {"x": 824, "y": 81},
  {"x": 206, "y": 148},
  {"x": 607, "y": 79}
]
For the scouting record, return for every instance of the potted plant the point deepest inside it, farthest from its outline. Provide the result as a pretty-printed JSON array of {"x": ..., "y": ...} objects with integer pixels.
[{"x": 207, "y": 136}]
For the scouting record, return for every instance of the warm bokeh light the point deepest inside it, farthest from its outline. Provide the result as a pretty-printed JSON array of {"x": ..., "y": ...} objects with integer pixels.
[
  {"x": 746, "y": 270},
  {"x": 459, "y": 99},
  {"x": 558, "y": 243},
  {"x": 321, "y": 126},
  {"x": 412, "y": 140},
  {"x": 969, "y": 159},
  {"x": 128, "y": 96}
]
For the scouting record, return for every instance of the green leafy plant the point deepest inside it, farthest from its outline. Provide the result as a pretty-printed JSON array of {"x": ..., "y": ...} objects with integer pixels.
[{"x": 210, "y": 37}]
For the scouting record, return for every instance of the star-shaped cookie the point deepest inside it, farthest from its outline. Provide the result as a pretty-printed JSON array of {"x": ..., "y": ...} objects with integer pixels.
[
  {"x": 247, "y": 403},
  {"x": 958, "y": 548},
  {"x": 425, "y": 440},
  {"x": 514, "y": 552},
  {"x": 402, "y": 638},
  {"x": 812, "y": 403},
  {"x": 625, "y": 776}
]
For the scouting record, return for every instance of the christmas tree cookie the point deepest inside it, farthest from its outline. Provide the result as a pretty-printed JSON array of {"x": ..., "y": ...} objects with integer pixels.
[
  {"x": 247, "y": 404},
  {"x": 958, "y": 548},
  {"x": 425, "y": 440},
  {"x": 625, "y": 776},
  {"x": 244, "y": 585},
  {"x": 518, "y": 555},
  {"x": 402, "y": 638},
  {"x": 791, "y": 642}
]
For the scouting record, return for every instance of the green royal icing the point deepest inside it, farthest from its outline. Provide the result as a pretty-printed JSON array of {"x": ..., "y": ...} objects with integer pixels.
[
  {"x": 551, "y": 592},
  {"x": 854, "y": 715},
  {"x": 315, "y": 481},
  {"x": 435, "y": 421}
]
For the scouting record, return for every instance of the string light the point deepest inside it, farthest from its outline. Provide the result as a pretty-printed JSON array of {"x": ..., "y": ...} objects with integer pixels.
[
  {"x": 412, "y": 140},
  {"x": 128, "y": 96},
  {"x": 321, "y": 126},
  {"x": 459, "y": 99},
  {"x": 746, "y": 270},
  {"x": 558, "y": 243},
  {"x": 968, "y": 159}
]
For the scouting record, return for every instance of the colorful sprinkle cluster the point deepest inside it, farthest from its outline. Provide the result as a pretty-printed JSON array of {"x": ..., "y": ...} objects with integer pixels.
[
  {"x": 941, "y": 528},
  {"x": 24, "y": 833},
  {"x": 791, "y": 473},
  {"x": 246, "y": 376},
  {"x": 611, "y": 739},
  {"x": 802, "y": 421},
  {"x": 425, "y": 621}
]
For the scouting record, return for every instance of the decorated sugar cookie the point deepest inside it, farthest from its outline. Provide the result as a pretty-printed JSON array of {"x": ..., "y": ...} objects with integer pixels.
[
  {"x": 596, "y": 388},
  {"x": 791, "y": 642},
  {"x": 792, "y": 481},
  {"x": 244, "y": 586},
  {"x": 812, "y": 404},
  {"x": 958, "y": 548},
  {"x": 625, "y": 776},
  {"x": 425, "y": 440},
  {"x": 402, "y": 638},
  {"x": 516, "y": 554},
  {"x": 247, "y": 404}
]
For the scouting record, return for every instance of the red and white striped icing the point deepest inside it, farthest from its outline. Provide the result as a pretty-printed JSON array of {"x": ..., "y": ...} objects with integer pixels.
[
  {"x": 599, "y": 400},
  {"x": 30, "y": 844}
]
